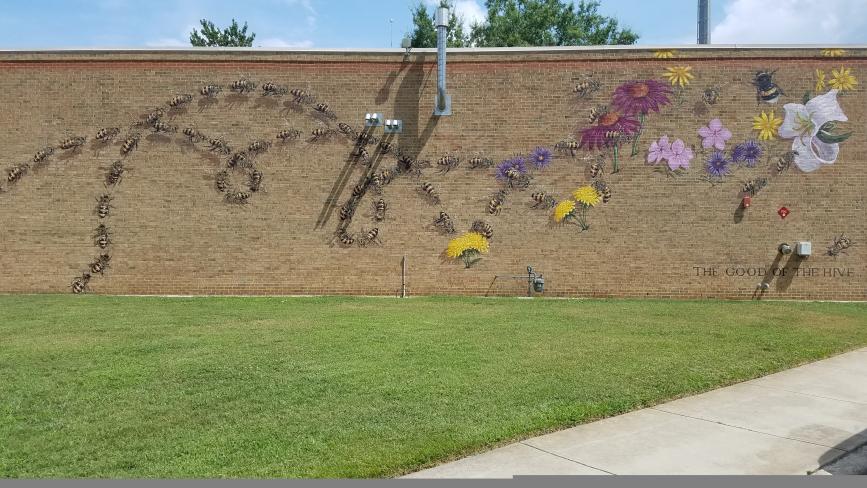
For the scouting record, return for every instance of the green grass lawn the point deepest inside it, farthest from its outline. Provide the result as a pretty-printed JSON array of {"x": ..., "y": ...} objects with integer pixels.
[{"x": 358, "y": 387}]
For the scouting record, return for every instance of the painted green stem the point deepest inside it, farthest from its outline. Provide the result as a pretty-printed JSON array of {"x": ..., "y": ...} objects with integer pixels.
[
  {"x": 616, "y": 165},
  {"x": 637, "y": 135}
]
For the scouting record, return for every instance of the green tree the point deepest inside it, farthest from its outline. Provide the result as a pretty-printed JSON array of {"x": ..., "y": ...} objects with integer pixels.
[
  {"x": 547, "y": 23},
  {"x": 424, "y": 32},
  {"x": 232, "y": 36}
]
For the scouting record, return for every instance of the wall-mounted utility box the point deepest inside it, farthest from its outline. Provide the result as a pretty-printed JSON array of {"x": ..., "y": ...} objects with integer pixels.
[
  {"x": 393, "y": 126},
  {"x": 804, "y": 248}
]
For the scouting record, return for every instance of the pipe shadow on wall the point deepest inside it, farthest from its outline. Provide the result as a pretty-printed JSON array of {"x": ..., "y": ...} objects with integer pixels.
[{"x": 783, "y": 278}]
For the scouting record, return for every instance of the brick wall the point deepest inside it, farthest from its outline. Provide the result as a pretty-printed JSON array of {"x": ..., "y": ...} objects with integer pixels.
[{"x": 660, "y": 235}]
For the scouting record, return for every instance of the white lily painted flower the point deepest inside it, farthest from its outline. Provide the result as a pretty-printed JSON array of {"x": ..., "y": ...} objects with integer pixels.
[{"x": 803, "y": 123}]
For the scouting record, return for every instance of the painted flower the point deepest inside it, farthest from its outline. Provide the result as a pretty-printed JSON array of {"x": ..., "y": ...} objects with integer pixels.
[
  {"x": 747, "y": 152},
  {"x": 717, "y": 164},
  {"x": 679, "y": 75},
  {"x": 664, "y": 53},
  {"x": 714, "y": 135},
  {"x": 842, "y": 79},
  {"x": 518, "y": 163},
  {"x": 640, "y": 97},
  {"x": 820, "y": 80},
  {"x": 833, "y": 53},
  {"x": 659, "y": 150},
  {"x": 587, "y": 196},
  {"x": 812, "y": 128},
  {"x": 541, "y": 157},
  {"x": 767, "y": 124},
  {"x": 679, "y": 156},
  {"x": 564, "y": 209},
  {"x": 609, "y": 124},
  {"x": 471, "y": 241}
]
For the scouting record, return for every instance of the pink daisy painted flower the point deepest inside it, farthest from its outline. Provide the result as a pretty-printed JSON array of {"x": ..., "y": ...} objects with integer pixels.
[
  {"x": 611, "y": 127},
  {"x": 714, "y": 135},
  {"x": 679, "y": 156},
  {"x": 640, "y": 97},
  {"x": 659, "y": 151}
]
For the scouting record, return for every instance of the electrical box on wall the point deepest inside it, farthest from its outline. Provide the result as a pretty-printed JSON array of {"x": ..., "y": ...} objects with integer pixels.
[{"x": 804, "y": 248}]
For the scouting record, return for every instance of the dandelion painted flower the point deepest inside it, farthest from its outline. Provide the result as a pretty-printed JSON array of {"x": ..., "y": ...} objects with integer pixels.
[
  {"x": 717, "y": 164},
  {"x": 842, "y": 79},
  {"x": 664, "y": 53},
  {"x": 609, "y": 123},
  {"x": 813, "y": 130},
  {"x": 563, "y": 210},
  {"x": 679, "y": 156},
  {"x": 679, "y": 75},
  {"x": 518, "y": 163},
  {"x": 820, "y": 80},
  {"x": 640, "y": 97},
  {"x": 471, "y": 241},
  {"x": 659, "y": 150},
  {"x": 541, "y": 157},
  {"x": 587, "y": 196},
  {"x": 767, "y": 124},
  {"x": 747, "y": 152},
  {"x": 833, "y": 53},
  {"x": 714, "y": 135}
]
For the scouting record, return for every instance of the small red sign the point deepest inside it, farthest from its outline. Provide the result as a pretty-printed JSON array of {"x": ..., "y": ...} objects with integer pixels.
[{"x": 783, "y": 211}]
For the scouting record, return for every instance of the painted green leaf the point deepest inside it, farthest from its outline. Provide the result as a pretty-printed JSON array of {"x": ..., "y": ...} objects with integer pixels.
[
  {"x": 829, "y": 138},
  {"x": 806, "y": 97}
]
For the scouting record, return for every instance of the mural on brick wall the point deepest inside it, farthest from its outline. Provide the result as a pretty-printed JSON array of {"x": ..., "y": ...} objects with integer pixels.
[{"x": 807, "y": 136}]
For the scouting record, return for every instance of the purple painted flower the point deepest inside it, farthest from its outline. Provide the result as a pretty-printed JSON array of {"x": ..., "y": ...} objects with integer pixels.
[
  {"x": 659, "y": 151},
  {"x": 679, "y": 156},
  {"x": 748, "y": 153},
  {"x": 714, "y": 135},
  {"x": 640, "y": 97},
  {"x": 717, "y": 164},
  {"x": 607, "y": 132},
  {"x": 518, "y": 163},
  {"x": 541, "y": 157}
]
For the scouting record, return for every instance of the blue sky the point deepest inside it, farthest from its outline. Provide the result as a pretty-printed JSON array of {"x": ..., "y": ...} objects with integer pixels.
[{"x": 365, "y": 24}]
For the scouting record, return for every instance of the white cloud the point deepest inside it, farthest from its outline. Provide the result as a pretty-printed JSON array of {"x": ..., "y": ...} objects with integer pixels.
[
  {"x": 792, "y": 22},
  {"x": 468, "y": 10},
  {"x": 281, "y": 43}
]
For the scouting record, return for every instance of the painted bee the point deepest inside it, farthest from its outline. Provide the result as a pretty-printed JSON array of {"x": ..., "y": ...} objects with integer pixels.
[
  {"x": 300, "y": 96},
  {"x": 345, "y": 238},
  {"x": 288, "y": 134},
  {"x": 603, "y": 190},
  {"x": 365, "y": 138},
  {"x": 752, "y": 187},
  {"x": 370, "y": 236},
  {"x": 260, "y": 146},
  {"x": 243, "y": 86},
  {"x": 194, "y": 135},
  {"x": 568, "y": 145},
  {"x": 766, "y": 90},
  {"x": 320, "y": 133},
  {"x": 495, "y": 205},
  {"x": 785, "y": 161},
  {"x": 100, "y": 264},
  {"x": 385, "y": 147},
  {"x": 839, "y": 245},
  {"x": 73, "y": 143},
  {"x": 543, "y": 200},
  {"x": 130, "y": 143},
  {"x": 219, "y": 145},
  {"x": 180, "y": 100},
  {"x": 115, "y": 173},
  {"x": 103, "y": 206},
  {"x": 255, "y": 182},
  {"x": 323, "y": 109},
  {"x": 238, "y": 197},
  {"x": 359, "y": 189},
  {"x": 17, "y": 172},
  {"x": 379, "y": 180},
  {"x": 596, "y": 112},
  {"x": 238, "y": 159},
  {"x": 160, "y": 126},
  {"x": 361, "y": 154},
  {"x": 445, "y": 223},
  {"x": 448, "y": 163},
  {"x": 42, "y": 154},
  {"x": 106, "y": 134},
  {"x": 710, "y": 95},
  {"x": 102, "y": 237},
  {"x": 517, "y": 179},
  {"x": 79, "y": 285},
  {"x": 597, "y": 168},
  {"x": 483, "y": 228},
  {"x": 347, "y": 210},
  {"x": 155, "y": 116},
  {"x": 221, "y": 181},
  {"x": 273, "y": 89},
  {"x": 585, "y": 86},
  {"x": 431, "y": 192},
  {"x": 480, "y": 162},
  {"x": 345, "y": 129},
  {"x": 379, "y": 208},
  {"x": 210, "y": 91}
]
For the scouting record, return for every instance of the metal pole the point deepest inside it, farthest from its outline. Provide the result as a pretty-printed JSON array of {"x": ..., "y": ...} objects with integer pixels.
[
  {"x": 443, "y": 107},
  {"x": 403, "y": 277},
  {"x": 703, "y": 21}
]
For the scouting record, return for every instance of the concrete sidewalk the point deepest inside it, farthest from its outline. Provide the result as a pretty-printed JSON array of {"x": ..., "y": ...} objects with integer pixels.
[{"x": 790, "y": 422}]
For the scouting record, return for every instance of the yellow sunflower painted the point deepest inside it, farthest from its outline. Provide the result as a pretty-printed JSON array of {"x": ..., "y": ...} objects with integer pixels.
[
  {"x": 587, "y": 196},
  {"x": 563, "y": 210},
  {"x": 833, "y": 53},
  {"x": 679, "y": 75},
  {"x": 767, "y": 124},
  {"x": 664, "y": 53},
  {"x": 842, "y": 79},
  {"x": 471, "y": 241},
  {"x": 820, "y": 80}
]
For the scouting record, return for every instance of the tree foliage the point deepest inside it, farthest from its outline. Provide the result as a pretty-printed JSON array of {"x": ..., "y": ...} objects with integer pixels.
[
  {"x": 232, "y": 36},
  {"x": 424, "y": 32}
]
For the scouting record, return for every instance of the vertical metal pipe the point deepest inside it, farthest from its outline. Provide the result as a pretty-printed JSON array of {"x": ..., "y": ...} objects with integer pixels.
[
  {"x": 442, "y": 35},
  {"x": 703, "y": 21},
  {"x": 403, "y": 277}
]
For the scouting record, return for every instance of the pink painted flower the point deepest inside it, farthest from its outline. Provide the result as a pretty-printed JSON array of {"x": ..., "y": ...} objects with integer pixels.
[
  {"x": 714, "y": 135},
  {"x": 659, "y": 150},
  {"x": 679, "y": 156},
  {"x": 640, "y": 97},
  {"x": 610, "y": 129}
]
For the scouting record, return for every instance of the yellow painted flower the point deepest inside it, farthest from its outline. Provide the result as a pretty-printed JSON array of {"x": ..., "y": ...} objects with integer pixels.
[
  {"x": 679, "y": 75},
  {"x": 471, "y": 241},
  {"x": 842, "y": 79},
  {"x": 833, "y": 53},
  {"x": 820, "y": 80},
  {"x": 587, "y": 195},
  {"x": 664, "y": 53},
  {"x": 767, "y": 124},
  {"x": 563, "y": 210}
]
